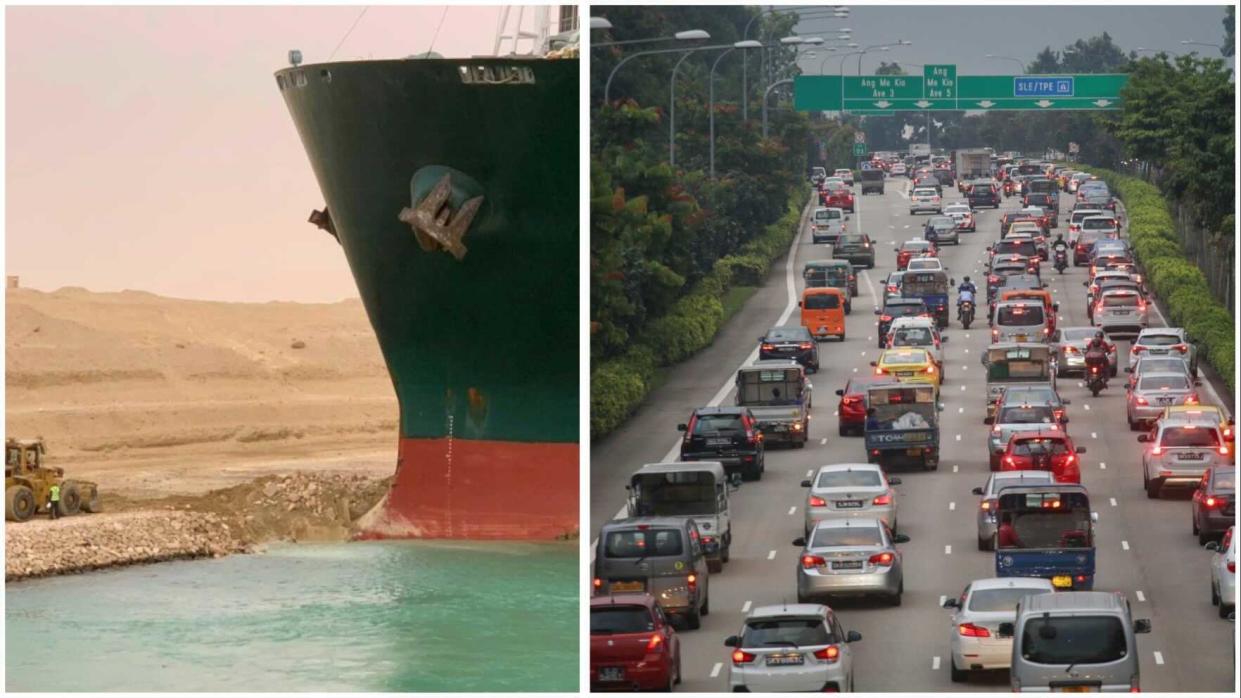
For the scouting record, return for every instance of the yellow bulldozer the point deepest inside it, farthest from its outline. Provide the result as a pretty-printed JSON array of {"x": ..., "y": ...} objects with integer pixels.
[{"x": 28, "y": 484}]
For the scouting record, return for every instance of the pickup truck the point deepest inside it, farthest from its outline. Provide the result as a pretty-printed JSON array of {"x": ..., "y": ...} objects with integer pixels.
[{"x": 779, "y": 396}]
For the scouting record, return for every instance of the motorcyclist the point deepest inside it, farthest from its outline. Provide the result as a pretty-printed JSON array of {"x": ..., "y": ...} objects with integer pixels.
[
  {"x": 1097, "y": 350},
  {"x": 1059, "y": 244},
  {"x": 965, "y": 292}
]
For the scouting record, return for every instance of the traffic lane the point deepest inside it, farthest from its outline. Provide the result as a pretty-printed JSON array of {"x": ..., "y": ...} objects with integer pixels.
[{"x": 647, "y": 435}]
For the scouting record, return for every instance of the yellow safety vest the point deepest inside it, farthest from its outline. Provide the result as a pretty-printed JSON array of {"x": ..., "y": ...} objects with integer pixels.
[{"x": 55, "y": 493}]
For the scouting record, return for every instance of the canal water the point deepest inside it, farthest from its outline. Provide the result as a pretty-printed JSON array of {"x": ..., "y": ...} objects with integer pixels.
[{"x": 383, "y": 616}]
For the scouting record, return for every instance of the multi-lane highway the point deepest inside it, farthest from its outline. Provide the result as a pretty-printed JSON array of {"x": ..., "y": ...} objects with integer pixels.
[{"x": 1145, "y": 548}]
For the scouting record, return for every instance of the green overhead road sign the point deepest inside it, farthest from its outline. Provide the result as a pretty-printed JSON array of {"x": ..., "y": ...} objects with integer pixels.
[
  {"x": 859, "y": 149},
  {"x": 939, "y": 88}
]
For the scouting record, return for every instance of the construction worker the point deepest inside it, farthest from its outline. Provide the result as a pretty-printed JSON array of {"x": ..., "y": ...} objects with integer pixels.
[{"x": 53, "y": 507}]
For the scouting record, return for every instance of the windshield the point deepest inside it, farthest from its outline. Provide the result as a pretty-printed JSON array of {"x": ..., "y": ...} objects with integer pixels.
[
  {"x": 834, "y": 536},
  {"x": 1158, "y": 340},
  {"x": 1044, "y": 528},
  {"x": 1193, "y": 437},
  {"x": 780, "y": 334},
  {"x": 849, "y": 478},
  {"x": 1171, "y": 382},
  {"x": 1073, "y": 640},
  {"x": 821, "y": 301},
  {"x": 992, "y": 600},
  {"x": 1040, "y": 447},
  {"x": 1019, "y": 315},
  {"x": 606, "y": 620},
  {"x": 654, "y": 542},
  {"x": 674, "y": 494},
  {"x": 1026, "y": 414},
  {"x": 786, "y": 631}
]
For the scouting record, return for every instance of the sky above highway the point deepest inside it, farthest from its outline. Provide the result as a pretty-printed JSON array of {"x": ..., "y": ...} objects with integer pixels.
[{"x": 149, "y": 148}]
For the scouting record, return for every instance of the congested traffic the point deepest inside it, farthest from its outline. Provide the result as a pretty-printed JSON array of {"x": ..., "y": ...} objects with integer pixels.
[{"x": 975, "y": 332}]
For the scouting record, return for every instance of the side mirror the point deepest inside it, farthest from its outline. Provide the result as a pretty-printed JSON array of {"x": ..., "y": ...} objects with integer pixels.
[
  {"x": 1144, "y": 438},
  {"x": 894, "y": 481},
  {"x": 943, "y": 339},
  {"x": 1212, "y": 546},
  {"x": 1005, "y": 629},
  {"x": 1081, "y": 449},
  {"x": 1055, "y": 306},
  {"x": 853, "y": 636},
  {"x": 878, "y": 311},
  {"x": 798, "y": 304},
  {"x": 735, "y": 480},
  {"x": 1142, "y": 625},
  {"x": 799, "y": 542},
  {"x": 682, "y": 427},
  {"x": 874, "y": 363},
  {"x": 806, "y": 483},
  {"x": 952, "y": 603},
  {"x": 1066, "y": 402},
  {"x": 732, "y": 641},
  {"x": 988, "y": 420},
  {"x": 841, "y": 392},
  {"x": 900, "y": 538},
  {"x": 977, "y": 491}
]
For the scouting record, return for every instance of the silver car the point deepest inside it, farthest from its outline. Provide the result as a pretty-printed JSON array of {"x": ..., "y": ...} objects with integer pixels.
[
  {"x": 792, "y": 647},
  {"x": 1155, "y": 364},
  {"x": 1179, "y": 454},
  {"x": 1165, "y": 341},
  {"x": 945, "y": 230},
  {"x": 1070, "y": 344},
  {"x": 1012, "y": 417},
  {"x": 1224, "y": 572},
  {"x": 974, "y": 631},
  {"x": 1019, "y": 321},
  {"x": 853, "y": 557},
  {"x": 924, "y": 200},
  {"x": 848, "y": 491},
  {"x": 990, "y": 494},
  {"x": 1155, "y": 391},
  {"x": 1120, "y": 310}
]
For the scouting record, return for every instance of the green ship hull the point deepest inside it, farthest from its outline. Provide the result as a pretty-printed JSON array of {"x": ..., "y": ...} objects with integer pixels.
[{"x": 474, "y": 299}]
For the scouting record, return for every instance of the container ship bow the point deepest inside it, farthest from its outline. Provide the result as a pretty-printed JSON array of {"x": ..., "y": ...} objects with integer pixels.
[{"x": 452, "y": 187}]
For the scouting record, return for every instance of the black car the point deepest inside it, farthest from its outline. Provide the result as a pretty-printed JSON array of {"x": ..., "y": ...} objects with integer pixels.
[
  {"x": 856, "y": 248},
  {"x": 1214, "y": 502},
  {"x": 894, "y": 308},
  {"x": 725, "y": 434},
  {"x": 983, "y": 194},
  {"x": 791, "y": 342}
]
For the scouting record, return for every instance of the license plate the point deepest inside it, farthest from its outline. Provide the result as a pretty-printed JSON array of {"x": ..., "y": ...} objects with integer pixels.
[
  {"x": 904, "y": 373},
  {"x": 849, "y": 504},
  {"x": 1158, "y": 351},
  {"x": 847, "y": 565},
  {"x": 617, "y": 587},
  {"x": 611, "y": 673},
  {"x": 1120, "y": 313},
  {"x": 1167, "y": 400},
  {"x": 718, "y": 442},
  {"x": 1021, "y": 338},
  {"x": 785, "y": 659},
  {"x": 1189, "y": 456},
  {"x": 913, "y": 451},
  {"x": 1062, "y": 581},
  {"x": 1074, "y": 689}
]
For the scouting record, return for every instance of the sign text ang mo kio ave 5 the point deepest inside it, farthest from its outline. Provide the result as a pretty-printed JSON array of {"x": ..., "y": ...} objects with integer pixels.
[{"x": 939, "y": 88}]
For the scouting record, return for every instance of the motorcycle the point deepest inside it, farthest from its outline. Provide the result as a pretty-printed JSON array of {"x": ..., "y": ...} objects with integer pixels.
[
  {"x": 1062, "y": 259},
  {"x": 966, "y": 313},
  {"x": 1008, "y": 189},
  {"x": 1096, "y": 379}
]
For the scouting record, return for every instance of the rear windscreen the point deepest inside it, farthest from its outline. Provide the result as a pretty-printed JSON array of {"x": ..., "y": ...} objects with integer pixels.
[
  {"x": 1040, "y": 447},
  {"x": 1163, "y": 383},
  {"x": 1026, "y": 415},
  {"x": 849, "y": 535},
  {"x": 992, "y": 600},
  {"x": 606, "y": 620},
  {"x": 849, "y": 478},
  {"x": 712, "y": 423},
  {"x": 779, "y": 632},
  {"x": 1019, "y": 316},
  {"x": 1025, "y": 248},
  {"x": 653, "y": 542},
  {"x": 1073, "y": 640},
  {"x": 822, "y": 301},
  {"x": 1120, "y": 299},
  {"x": 1159, "y": 340},
  {"x": 1105, "y": 224},
  {"x": 1193, "y": 437}
]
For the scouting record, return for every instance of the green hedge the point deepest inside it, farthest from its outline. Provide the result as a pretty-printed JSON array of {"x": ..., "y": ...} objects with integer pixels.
[
  {"x": 619, "y": 385},
  {"x": 1172, "y": 276}
]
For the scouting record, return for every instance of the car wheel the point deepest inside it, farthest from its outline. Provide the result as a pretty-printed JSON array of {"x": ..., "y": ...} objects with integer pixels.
[
  {"x": 957, "y": 675},
  {"x": 753, "y": 473},
  {"x": 1224, "y": 610},
  {"x": 715, "y": 566},
  {"x": 982, "y": 544},
  {"x": 1214, "y": 595},
  {"x": 1113, "y": 372},
  {"x": 896, "y": 598},
  {"x": 706, "y": 604},
  {"x": 1203, "y": 537},
  {"x": 693, "y": 620},
  {"x": 1133, "y": 426},
  {"x": 843, "y": 430},
  {"x": 802, "y": 598},
  {"x": 1152, "y": 488},
  {"x": 1194, "y": 521}
]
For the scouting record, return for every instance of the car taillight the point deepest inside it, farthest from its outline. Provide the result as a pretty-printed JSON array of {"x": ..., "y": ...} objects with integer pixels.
[
  {"x": 883, "y": 559},
  {"x": 1183, "y": 348},
  {"x": 879, "y": 371},
  {"x": 1011, "y": 463},
  {"x": 885, "y": 318},
  {"x": 1142, "y": 401},
  {"x": 828, "y": 654},
  {"x": 691, "y": 581},
  {"x": 655, "y": 643},
  {"x": 930, "y": 369},
  {"x": 809, "y": 562},
  {"x": 1223, "y": 450},
  {"x": 971, "y": 630},
  {"x": 1210, "y": 502},
  {"x": 817, "y": 501},
  {"x": 1232, "y": 566},
  {"x": 1137, "y": 349},
  {"x": 1156, "y": 450},
  {"x": 882, "y": 500},
  {"x": 805, "y": 345},
  {"x": 1191, "y": 399},
  {"x": 598, "y": 583},
  {"x": 995, "y": 334},
  {"x": 742, "y": 657},
  {"x": 768, "y": 347}
]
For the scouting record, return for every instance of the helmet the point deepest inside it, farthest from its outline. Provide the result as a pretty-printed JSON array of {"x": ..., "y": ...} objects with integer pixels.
[
  {"x": 967, "y": 279},
  {"x": 1099, "y": 335}
]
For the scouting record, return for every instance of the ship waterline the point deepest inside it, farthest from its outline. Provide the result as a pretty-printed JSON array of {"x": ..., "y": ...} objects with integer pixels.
[{"x": 452, "y": 187}]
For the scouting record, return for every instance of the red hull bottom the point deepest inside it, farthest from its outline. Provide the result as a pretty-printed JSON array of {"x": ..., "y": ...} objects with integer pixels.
[{"x": 480, "y": 490}]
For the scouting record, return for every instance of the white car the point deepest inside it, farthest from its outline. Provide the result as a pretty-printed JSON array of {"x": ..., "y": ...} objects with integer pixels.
[
  {"x": 848, "y": 490},
  {"x": 827, "y": 224},
  {"x": 897, "y": 169},
  {"x": 924, "y": 199},
  {"x": 1164, "y": 341},
  {"x": 792, "y": 647},
  {"x": 925, "y": 264},
  {"x": 845, "y": 175},
  {"x": 1224, "y": 573},
  {"x": 1076, "y": 218},
  {"x": 975, "y": 627},
  {"x": 917, "y": 331}
]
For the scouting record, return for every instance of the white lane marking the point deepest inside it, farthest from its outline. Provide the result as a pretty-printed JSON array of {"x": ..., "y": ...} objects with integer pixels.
[
  {"x": 1087, "y": 406},
  {"x": 1158, "y": 657},
  {"x": 809, "y": 473},
  {"x": 1102, "y": 465},
  {"x": 835, "y": 413},
  {"x": 952, "y": 506},
  {"x": 792, "y": 510},
  {"x": 934, "y": 663},
  {"x": 1094, "y": 435},
  {"x": 1112, "y": 501},
  {"x": 1141, "y": 596},
  {"x": 863, "y": 353},
  {"x": 1124, "y": 544},
  {"x": 958, "y": 437},
  {"x": 715, "y": 670},
  {"x": 947, "y": 549},
  {"x": 960, "y": 410},
  {"x": 870, "y": 288},
  {"x": 942, "y": 599},
  {"x": 964, "y": 367},
  {"x": 967, "y": 350},
  {"x": 962, "y": 390},
  {"x": 967, "y": 336},
  {"x": 955, "y": 467},
  {"x": 907, "y": 228},
  {"x": 746, "y": 608},
  {"x": 855, "y": 369},
  {"x": 870, "y": 338},
  {"x": 771, "y": 555},
  {"x": 823, "y": 441}
]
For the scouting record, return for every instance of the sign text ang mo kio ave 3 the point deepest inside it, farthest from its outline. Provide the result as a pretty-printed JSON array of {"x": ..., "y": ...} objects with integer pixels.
[{"x": 939, "y": 88}]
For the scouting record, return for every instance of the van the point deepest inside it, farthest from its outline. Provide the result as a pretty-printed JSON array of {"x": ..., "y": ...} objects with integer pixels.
[
  {"x": 661, "y": 556},
  {"x": 827, "y": 224},
  {"x": 823, "y": 312},
  {"x": 1075, "y": 641},
  {"x": 697, "y": 490},
  {"x": 1041, "y": 295},
  {"x": 1020, "y": 321}
]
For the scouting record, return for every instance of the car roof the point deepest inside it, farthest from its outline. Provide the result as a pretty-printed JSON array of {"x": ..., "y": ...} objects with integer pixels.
[
  {"x": 797, "y": 610},
  {"x": 626, "y": 599},
  {"x": 1074, "y": 601},
  {"x": 1039, "y": 475},
  {"x": 1178, "y": 331},
  {"x": 854, "y": 522},
  {"x": 722, "y": 409},
  {"x": 682, "y": 466},
  {"x": 636, "y": 521},
  {"x": 1009, "y": 583},
  {"x": 847, "y": 467}
]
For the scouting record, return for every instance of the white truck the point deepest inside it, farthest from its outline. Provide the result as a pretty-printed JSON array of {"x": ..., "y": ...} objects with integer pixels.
[
  {"x": 920, "y": 149},
  {"x": 972, "y": 163}
]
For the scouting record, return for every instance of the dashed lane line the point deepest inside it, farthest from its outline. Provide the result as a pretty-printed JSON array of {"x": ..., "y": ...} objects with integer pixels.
[
  {"x": 823, "y": 441},
  {"x": 746, "y": 607},
  {"x": 1140, "y": 595},
  {"x": 792, "y": 510},
  {"x": 1102, "y": 465},
  {"x": 1094, "y": 435},
  {"x": 1158, "y": 658},
  {"x": 1112, "y": 501},
  {"x": 952, "y": 506},
  {"x": 771, "y": 555},
  {"x": 942, "y": 599},
  {"x": 947, "y": 549},
  {"x": 715, "y": 670},
  {"x": 1124, "y": 544},
  {"x": 955, "y": 468},
  {"x": 934, "y": 663}
]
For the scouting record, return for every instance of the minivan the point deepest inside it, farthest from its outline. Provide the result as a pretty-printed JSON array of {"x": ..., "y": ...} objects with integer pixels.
[
  {"x": 1075, "y": 641},
  {"x": 1020, "y": 321},
  {"x": 823, "y": 312},
  {"x": 661, "y": 556},
  {"x": 827, "y": 224}
]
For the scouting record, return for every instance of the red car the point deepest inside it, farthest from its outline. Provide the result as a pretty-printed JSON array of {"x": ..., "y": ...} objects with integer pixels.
[
  {"x": 852, "y": 407},
  {"x": 1044, "y": 450},
  {"x": 840, "y": 197},
  {"x": 632, "y": 645},
  {"x": 911, "y": 249}
]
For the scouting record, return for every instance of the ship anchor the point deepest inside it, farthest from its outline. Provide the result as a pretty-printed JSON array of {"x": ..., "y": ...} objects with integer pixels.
[{"x": 436, "y": 225}]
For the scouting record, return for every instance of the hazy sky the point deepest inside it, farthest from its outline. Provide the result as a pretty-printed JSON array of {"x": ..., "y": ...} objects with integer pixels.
[{"x": 149, "y": 148}]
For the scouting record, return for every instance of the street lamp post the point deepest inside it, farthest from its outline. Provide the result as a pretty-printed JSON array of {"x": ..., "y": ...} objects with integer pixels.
[
  {"x": 687, "y": 35},
  {"x": 607, "y": 86},
  {"x": 1008, "y": 58},
  {"x": 837, "y": 13},
  {"x": 879, "y": 47},
  {"x": 672, "y": 96},
  {"x": 766, "y": 94},
  {"x": 743, "y": 45}
]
